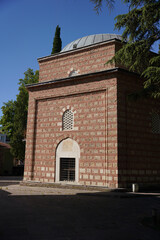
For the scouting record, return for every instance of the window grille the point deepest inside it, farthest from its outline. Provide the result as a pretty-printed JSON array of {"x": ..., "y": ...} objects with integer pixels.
[
  {"x": 155, "y": 123},
  {"x": 67, "y": 120},
  {"x": 67, "y": 169}
]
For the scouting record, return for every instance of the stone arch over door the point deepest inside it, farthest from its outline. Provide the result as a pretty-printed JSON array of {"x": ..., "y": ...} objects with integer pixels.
[{"x": 67, "y": 149}]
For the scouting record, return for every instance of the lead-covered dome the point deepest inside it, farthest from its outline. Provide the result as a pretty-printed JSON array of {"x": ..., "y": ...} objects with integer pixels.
[{"x": 90, "y": 40}]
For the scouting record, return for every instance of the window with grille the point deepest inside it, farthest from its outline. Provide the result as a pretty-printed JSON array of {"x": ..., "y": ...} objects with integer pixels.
[
  {"x": 156, "y": 123},
  {"x": 67, "y": 120},
  {"x": 67, "y": 169}
]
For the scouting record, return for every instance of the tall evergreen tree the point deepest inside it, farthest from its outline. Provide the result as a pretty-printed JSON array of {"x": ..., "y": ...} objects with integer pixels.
[
  {"x": 98, "y": 4},
  {"x": 141, "y": 31},
  {"x": 57, "y": 42}
]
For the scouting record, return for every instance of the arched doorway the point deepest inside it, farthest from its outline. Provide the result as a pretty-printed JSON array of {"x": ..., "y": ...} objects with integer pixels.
[{"x": 67, "y": 161}]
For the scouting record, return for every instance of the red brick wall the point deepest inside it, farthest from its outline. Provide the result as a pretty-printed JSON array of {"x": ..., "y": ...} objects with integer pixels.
[
  {"x": 96, "y": 122},
  {"x": 87, "y": 60},
  {"x": 138, "y": 147},
  {"x": 114, "y": 135}
]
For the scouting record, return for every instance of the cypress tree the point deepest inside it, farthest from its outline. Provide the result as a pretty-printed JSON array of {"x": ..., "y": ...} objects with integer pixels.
[{"x": 57, "y": 42}]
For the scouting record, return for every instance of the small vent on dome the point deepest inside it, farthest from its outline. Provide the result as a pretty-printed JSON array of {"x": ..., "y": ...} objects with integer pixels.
[{"x": 74, "y": 46}]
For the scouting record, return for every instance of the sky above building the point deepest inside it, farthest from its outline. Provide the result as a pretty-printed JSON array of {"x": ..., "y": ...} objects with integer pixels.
[{"x": 27, "y": 29}]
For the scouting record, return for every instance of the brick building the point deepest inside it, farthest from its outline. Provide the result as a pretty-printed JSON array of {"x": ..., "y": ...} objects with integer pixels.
[{"x": 81, "y": 127}]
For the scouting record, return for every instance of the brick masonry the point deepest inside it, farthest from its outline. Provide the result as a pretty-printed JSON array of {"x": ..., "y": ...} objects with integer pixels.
[
  {"x": 116, "y": 144},
  {"x": 86, "y": 60},
  {"x": 138, "y": 146}
]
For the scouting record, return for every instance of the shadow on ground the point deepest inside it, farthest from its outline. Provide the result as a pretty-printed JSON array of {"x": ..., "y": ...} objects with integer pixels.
[
  {"x": 9, "y": 180},
  {"x": 77, "y": 217}
]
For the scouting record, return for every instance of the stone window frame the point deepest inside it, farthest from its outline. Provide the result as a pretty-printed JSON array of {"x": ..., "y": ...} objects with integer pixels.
[
  {"x": 60, "y": 124},
  {"x": 61, "y": 152}
]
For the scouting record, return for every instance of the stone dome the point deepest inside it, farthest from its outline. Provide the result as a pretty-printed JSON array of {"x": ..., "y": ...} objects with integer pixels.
[{"x": 90, "y": 40}]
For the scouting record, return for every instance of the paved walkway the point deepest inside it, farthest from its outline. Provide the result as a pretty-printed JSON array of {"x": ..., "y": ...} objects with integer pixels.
[{"x": 41, "y": 213}]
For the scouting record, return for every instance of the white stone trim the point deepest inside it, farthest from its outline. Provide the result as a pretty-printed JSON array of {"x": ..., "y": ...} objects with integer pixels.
[
  {"x": 68, "y": 148},
  {"x": 73, "y": 72}
]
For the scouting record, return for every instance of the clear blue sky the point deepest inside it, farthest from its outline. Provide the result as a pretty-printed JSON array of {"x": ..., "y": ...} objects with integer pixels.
[{"x": 27, "y": 29}]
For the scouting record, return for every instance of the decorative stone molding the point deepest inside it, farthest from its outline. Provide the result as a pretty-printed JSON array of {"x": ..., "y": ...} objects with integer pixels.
[
  {"x": 72, "y": 72},
  {"x": 68, "y": 148}
]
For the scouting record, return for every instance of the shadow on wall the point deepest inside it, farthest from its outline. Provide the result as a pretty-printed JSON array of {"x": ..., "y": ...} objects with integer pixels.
[{"x": 6, "y": 159}]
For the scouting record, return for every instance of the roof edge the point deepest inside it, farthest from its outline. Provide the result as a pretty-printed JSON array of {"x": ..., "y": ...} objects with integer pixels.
[
  {"x": 77, "y": 49},
  {"x": 112, "y": 70}
]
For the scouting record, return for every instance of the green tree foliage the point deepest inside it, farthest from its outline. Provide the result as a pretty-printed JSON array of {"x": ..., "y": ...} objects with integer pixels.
[
  {"x": 14, "y": 119},
  {"x": 7, "y": 119},
  {"x": 98, "y": 4},
  {"x": 152, "y": 74},
  {"x": 141, "y": 31},
  {"x": 57, "y": 42}
]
